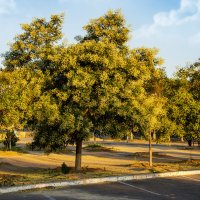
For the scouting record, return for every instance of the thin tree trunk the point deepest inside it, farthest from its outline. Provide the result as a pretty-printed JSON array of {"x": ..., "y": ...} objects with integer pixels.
[
  {"x": 10, "y": 145},
  {"x": 95, "y": 141},
  {"x": 78, "y": 155},
  {"x": 131, "y": 136},
  {"x": 150, "y": 150},
  {"x": 154, "y": 136},
  {"x": 127, "y": 138},
  {"x": 182, "y": 140},
  {"x": 169, "y": 139}
]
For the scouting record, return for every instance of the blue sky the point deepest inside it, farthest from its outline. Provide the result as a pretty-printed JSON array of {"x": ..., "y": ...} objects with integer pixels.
[{"x": 172, "y": 26}]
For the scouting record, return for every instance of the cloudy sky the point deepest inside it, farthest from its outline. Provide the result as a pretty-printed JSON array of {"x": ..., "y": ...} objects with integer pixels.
[{"x": 173, "y": 26}]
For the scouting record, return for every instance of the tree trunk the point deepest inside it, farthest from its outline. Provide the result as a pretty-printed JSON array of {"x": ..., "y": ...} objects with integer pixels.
[
  {"x": 78, "y": 155},
  {"x": 150, "y": 150},
  {"x": 189, "y": 143},
  {"x": 131, "y": 136},
  {"x": 154, "y": 136},
  {"x": 127, "y": 138},
  {"x": 169, "y": 139},
  {"x": 95, "y": 141},
  {"x": 182, "y": 140},
  {"x": 10, "y": 144}
]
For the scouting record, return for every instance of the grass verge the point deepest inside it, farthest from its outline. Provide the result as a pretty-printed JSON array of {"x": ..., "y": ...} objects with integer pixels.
[{"x": 37, "y": 175}]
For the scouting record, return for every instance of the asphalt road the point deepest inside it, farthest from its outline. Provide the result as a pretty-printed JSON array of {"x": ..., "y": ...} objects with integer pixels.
[{"x": 177, "y": 188}]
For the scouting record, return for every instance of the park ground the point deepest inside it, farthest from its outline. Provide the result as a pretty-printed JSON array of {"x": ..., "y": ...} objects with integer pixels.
[
  {"x": 178, "y": 188},
  {"x": 109, "y": 158}
]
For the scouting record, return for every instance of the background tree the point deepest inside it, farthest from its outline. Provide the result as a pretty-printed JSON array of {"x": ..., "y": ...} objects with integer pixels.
[
  {"x": 150, "y": 107},
  {"x": 18, "y": 89},
  {"x": 183, "y": 108},
  {"x": 10, "y": 140},
  {"x": 36, "y": 54}
]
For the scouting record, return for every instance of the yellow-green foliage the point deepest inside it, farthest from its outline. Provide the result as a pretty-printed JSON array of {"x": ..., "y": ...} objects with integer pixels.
[
  {"x": 18, "y": 89},
  {"x": 36, "y": 46},
  {"x": 97, "y": 83}
]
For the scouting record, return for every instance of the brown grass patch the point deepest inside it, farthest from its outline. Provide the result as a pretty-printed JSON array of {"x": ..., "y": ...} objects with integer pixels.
[{"x": 97, "y": 161}]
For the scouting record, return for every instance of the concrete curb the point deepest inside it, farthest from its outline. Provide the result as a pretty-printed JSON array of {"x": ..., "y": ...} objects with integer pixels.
[{"x": 98, "y": 180}]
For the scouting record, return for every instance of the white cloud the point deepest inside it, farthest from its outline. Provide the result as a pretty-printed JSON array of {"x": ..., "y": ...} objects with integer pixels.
[
  {"x": 175, "y": 32},
  {"x": 188, "y": 11},
  {"x": 6, "y": 6}
]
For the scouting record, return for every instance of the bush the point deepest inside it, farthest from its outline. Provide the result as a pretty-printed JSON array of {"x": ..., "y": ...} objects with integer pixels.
[
  {"x": 10, "y": 140},
  {"x": 6, "y": 180},
  {"x": 94, "y": 145},
  {"x": 65, "y": 169},
  {"x": 50, "y": 139}
]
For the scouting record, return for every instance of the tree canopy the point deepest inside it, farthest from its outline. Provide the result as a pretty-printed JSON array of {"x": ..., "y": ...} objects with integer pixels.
[{"x": 97, "y": 84}]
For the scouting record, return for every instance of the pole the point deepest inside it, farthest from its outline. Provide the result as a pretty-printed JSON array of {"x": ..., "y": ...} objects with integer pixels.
[{"x": 150, "y": 150}]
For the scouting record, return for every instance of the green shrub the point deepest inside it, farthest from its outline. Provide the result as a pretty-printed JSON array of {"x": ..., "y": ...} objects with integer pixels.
[
  {"x": 94, "y": 145},
  {"x": 6, "y": 180},
  {"x": 65, "y": 169}
]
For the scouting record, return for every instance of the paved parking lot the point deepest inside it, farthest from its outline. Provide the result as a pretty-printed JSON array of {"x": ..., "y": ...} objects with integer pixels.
[{"x": 183, "y": 188}]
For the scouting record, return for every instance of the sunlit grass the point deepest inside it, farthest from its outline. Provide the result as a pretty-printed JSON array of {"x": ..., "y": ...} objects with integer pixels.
[{"x": 99, "y": 160}]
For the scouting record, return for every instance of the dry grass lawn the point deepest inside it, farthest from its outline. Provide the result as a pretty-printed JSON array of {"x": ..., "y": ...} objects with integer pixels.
[{"x": 113, "y": 158}]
